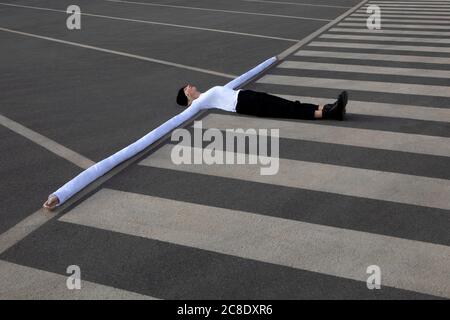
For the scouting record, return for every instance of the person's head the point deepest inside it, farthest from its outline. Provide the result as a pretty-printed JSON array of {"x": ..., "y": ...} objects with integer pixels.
[{"x": 187, "y": 94}]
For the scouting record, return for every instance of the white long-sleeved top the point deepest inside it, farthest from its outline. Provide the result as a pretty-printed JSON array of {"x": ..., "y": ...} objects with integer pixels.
[{"x": 218, "y": 97}]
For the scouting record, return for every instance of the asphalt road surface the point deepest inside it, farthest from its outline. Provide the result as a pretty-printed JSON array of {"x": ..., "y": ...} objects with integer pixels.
[{"x": 373, "y": 190}]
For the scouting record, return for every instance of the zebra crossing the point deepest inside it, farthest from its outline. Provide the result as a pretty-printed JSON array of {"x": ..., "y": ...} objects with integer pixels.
[
  {"x": 347, "y": 196},
  {"x": 332, "y": 251},
  {"x": 342, "y": 84}
]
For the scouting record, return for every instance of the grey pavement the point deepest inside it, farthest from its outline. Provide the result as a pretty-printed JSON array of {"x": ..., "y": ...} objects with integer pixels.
[{"x": 371, "y": 190}]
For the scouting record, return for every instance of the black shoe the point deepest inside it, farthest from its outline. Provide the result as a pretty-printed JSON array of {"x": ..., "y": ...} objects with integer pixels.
[
  {"x": 336, "y": 110},
  {"x": 333, "y": 111}
]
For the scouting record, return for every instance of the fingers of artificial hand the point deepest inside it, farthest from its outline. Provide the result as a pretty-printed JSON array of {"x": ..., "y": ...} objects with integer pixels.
[{"x": 50, "y": 203}]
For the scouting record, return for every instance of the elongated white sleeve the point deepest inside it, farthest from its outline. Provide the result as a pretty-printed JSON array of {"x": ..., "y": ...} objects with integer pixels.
[
  {"x": 250, "y": 74},
  {"x": 100, "y": 168}
]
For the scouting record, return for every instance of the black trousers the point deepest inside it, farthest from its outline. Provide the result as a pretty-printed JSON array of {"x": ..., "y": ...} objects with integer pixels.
[{"x": 262, "y": 104}]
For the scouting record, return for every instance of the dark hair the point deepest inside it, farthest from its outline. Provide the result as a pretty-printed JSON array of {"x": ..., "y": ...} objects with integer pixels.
[{"x": 182, "y": 100}]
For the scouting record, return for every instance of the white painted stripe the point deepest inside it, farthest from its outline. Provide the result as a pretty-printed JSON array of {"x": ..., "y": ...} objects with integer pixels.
[
  {"x": 413, "y": 5},
  {"x": 409, "y": 2},
  {"x": 305, "y": 65},
  {"x": 23, "y": 228},
  {"x": 19, "y": 282},
  {"x": 120, "y": 53},
  {"x": 406, "y": 13},
  {"x": 379, "y": 46},
  {"x": 443, "y": 11},
  {"x": 388, "y": 25},
  {"x": 373, "y": 56},
  {"x": 426, "y": 1},
  {"x": 410, "y": 6},
  {"x": 386, "y": 38},
  {"x": 297, "y": 4},
  {"x": 420, "y": 6},
  {"x": 383, "y": 109},
  {"x": 52, "y": 146},
  {"x": 356, "y": 182},
  {"x": 414, "y": 2},
  {"x": 154, "y": 23},
  {"x": 418, "y": 21},
  {"x": 432, "y": 8},
  {"x": 405, "y": 264},
  {"x": 313, "y": 35},
  {"x": 218, "y": 10},
  {"x": 409, "y": 16},
  {"x": 384, "y": 31},
  {"x": 358, "y": 85},
  {"x": 366, "y": 138}
]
